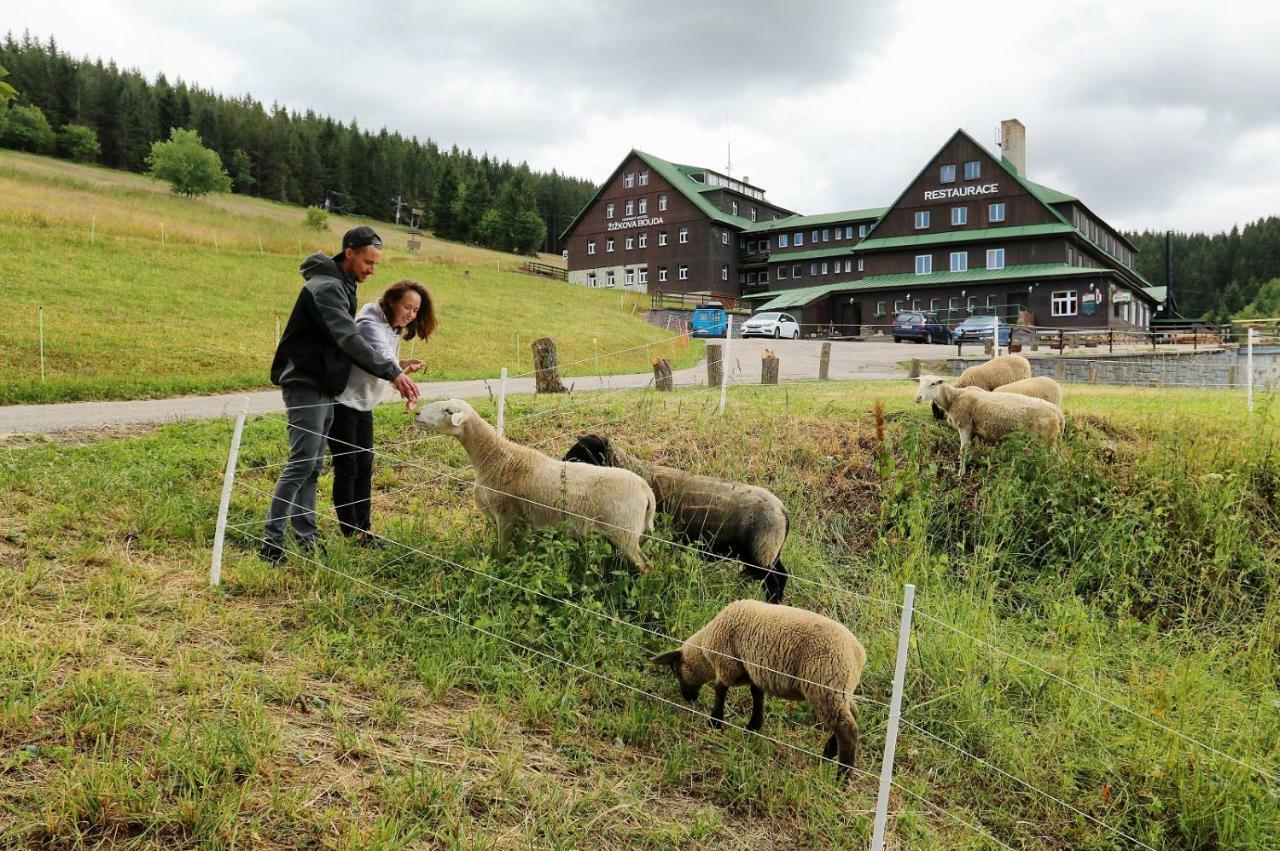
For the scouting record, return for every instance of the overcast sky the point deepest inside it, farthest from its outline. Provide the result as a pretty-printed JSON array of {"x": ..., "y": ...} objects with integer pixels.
[{"x": 1156, "y": 114}]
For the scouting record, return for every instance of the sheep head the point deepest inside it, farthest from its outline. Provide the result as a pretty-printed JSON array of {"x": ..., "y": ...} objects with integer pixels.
[
  {"x": 686, "y": 675},
  {"x": 447, "y": 417},
  {"x": 591, "y": 449},
  {"x": 930, "y": 388}
]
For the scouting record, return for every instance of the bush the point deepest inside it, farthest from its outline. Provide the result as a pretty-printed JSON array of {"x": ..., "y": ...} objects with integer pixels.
[
  {"x": 316, "y": 218},
  {"x": 188, "y": 166},
  {"x": 27, "y": 130},
  {"x": 79, "y": 143}
]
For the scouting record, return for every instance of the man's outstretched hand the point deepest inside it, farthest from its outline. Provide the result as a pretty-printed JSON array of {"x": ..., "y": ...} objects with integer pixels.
[{"x": 406, "y": 387}]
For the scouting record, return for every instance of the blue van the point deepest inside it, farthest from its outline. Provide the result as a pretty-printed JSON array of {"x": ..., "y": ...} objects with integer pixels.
[{"x": 710, "y": 320}]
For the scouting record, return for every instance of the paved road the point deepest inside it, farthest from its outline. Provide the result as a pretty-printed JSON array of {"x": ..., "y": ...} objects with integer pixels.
[{"x": 849, "y": 360}]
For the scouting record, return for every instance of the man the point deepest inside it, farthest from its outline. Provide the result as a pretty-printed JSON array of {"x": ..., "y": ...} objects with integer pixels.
[{"x": 319, "y": 345}]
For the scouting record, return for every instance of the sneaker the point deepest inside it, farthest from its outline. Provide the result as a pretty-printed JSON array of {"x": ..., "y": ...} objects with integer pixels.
[{"x": 271, "y": 553}]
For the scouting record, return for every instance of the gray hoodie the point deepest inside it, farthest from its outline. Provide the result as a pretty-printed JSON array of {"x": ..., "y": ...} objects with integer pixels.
[{"x": 364, "y": 391}]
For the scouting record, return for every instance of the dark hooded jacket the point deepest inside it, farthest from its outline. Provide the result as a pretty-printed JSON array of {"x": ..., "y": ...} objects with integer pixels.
[{"x": 321, "y": 341}]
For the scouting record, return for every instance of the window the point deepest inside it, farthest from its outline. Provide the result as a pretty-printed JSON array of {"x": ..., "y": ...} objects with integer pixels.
[
  {"x": 813, "y": 268},
  {"x": 782, "y": 240},
  {"x": 995, "y": 258},
  {"x": 662, "y": 237},
  {"x": 662, "y": 274},
  {"x": 631, "y": 277},
  {"x": 897, "y": 305},
  {"x": 591, "y": 246},
  {"x": 862, "y": 231},
  {"x": 608, "y": 244},
  {"x": 826, "y": 234},
  {"x": 591, "y": 280},
  {"x": 922, "y": 219},
  {"x": 848, "y": 232},
  {"x": 609, "y": 279},
  {"x": 629, "y": 179},
  {"x": 684, "y": 235},
  {"x": 880, "y": 308},
  {"x": 995, "y": 211},
  {"x": 797, "y": 270},
  {"x": 991, "y": 300},
  {"x": 972, "y": 170},
  {"x": 644, "y": 275},
  {"x": 642, "y": 206},
  {"x": 764, "y": 277},
  {"x": 630, "y": 208},
  {"x": 959, "y": 261},
  {"x": 953, "y": 303},
  {"x": 684, "y": 272},
  {"x": 733, "y": 207},
  {"x": 859, "y": 264},
  {"x": 915, "y": 304},
  {"x": 959, "y": 215},
  {"x": 935, "y": 304},
  {"x": 799, "y": 240},
  {"x": 1063, "y": 303},
  {"x": 724, "y": 271},
  {"x": 608, "y": 210},
  {"x": 630, "y": 243},
  {"x": 813, "y": 237},
  {"x": 839, "y": 233},
  {"x": 753, "y": 214},
  {"x": 947, "y": 174},
  {"x": 924, "y": 264},
  {"x": 662, "y": 203},
  {"x": 973, "y": 302},
  {"x": 824, "y": 268},
  {"x": 848, "y": 265},
  {"x": 764, "y": 245},
  {"x": 782, "y": 273},
  {"x": 724, "y": 237},
  {"x": 644, "y": 240},
  {"x": 644, "y": 178}
]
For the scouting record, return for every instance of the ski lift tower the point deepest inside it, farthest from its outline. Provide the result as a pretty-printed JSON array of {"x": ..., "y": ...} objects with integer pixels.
[{"x": 414, "y": 242}]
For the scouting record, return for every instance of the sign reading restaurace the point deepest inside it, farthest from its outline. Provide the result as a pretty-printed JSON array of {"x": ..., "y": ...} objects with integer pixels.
[
  {"x": 961, "y": 191},
  {"x": 635, "y": 223}
]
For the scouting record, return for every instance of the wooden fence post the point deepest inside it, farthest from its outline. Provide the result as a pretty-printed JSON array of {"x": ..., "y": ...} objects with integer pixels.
[
  {"x": 914, "y": 371},
  {"x": 824, "y": 362},
  {"x": 546, "y": 376},
  {"x": 715, "y": 364},
  {"x": 769, "y": 368},
  {"x": 662, "y": 379}
]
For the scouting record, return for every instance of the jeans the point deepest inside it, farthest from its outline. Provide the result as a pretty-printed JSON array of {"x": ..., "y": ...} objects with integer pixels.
[
  {"x": 310, "y": 414},
  {"x": 351, "y": 446}
]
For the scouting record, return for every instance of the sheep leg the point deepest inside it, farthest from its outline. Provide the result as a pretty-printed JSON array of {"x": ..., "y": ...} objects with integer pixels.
[
  {"x": 966, "y": 435},
  {"x": 847, "y": 740},
  {"x": 775, "y": 581},
  {"x": 629, "y": 546},
  {"x": 716, "y": 721},
  {"x": 829, "y": 750},
  {"x": 502, "y": 532},
  {"x": 757, "y": 708}
]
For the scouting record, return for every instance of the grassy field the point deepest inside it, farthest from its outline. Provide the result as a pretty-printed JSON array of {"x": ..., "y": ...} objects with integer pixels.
[
  {"x": 149, "y": 294},
  {"x": 405, "y": 699}
]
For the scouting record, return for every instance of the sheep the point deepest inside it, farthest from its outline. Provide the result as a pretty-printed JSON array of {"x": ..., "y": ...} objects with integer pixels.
[
  {"x": 782, "y": 651},
  {"x": 515, "y": 482},
  {"x": 990, "y": 416},
  {"x": 996, "y": 372},
  {"x": 738, "y": 521},
  {"x": 1040, "y": 387}
]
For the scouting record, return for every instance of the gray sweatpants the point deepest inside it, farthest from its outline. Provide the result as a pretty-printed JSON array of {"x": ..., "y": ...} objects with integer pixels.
[{"x": 310, "y": 414}]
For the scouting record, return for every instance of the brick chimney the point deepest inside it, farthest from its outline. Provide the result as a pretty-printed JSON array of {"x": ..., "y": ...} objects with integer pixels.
[{"x": 1013, "y": 144}]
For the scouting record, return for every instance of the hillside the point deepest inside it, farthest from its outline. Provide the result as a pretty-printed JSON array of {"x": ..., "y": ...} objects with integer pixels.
[
  {"x": 1099, "y": 625},
  {"x": 148, "y": 294}
]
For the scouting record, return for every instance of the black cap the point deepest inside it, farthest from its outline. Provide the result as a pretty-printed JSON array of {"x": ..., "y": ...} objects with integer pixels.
[{"x": 360, "y": 237}]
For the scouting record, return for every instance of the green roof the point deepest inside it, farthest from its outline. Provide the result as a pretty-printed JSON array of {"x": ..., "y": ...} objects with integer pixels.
[
  {"x": 784, "y": 299},
  {"x": 947, "y": 237},
  {"x": 813, "y": 254},
  {"x": 1158, "y": 294},
  {"x": 798, "y": 221}
]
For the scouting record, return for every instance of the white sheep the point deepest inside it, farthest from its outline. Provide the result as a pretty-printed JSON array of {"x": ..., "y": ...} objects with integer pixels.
[
  {"x": 1040, "y": 387},
  {"x": 1005, "y": 369},
  {"x": 516, "y": 483},
  {"x": 739, "y": 521},
  {"x": 782, "y": 651},
  {"x": 991, "y": 416}
]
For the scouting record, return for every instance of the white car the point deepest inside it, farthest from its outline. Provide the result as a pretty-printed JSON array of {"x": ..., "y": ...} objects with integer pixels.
[{"x": 774, "y": 325}]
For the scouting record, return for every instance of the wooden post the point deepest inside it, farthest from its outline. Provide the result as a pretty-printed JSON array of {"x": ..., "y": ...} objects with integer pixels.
[
  {"x": 546, "y": 376},
  {"x": 824, "y": 362},
  {"x": 662, "y": 379},
  {"x": 769, "y": 368},
  {"x": 914, "y": 371},
  {"x": 715, "y": 364},
  {"x": 1111, "y": 340},
  {"x": 1093, "y": 375}
]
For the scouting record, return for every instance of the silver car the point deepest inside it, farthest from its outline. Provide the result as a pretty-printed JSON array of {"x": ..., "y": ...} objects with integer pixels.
[{"x": 776, "y": 325}]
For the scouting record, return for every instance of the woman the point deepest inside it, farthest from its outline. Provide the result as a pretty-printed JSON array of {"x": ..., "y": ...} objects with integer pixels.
[{"x": 403, "y": 312}]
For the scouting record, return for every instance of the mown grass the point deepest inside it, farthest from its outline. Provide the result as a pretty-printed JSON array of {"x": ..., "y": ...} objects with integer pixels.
[
  {"x": 131, "y": 312},
  {"x": 297, "y": 707}
]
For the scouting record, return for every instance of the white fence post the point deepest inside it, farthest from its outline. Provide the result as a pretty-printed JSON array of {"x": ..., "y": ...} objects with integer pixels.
[
  {"x": 228, "y": 479},
  {"x": 1248, "y": 366},
  {"x": 41, "y": 311},
  {"x": 995, "y": 342},
  {"x": 895, "y": 712},
  {"x": 502, "y": 404},
  {"x": 725, "y": 367}
]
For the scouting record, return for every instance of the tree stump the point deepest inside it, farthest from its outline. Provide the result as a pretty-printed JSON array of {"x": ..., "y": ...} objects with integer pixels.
[
  {"x": 769, "y": 369},
  {"x": 824, "y": 361},
  {"x": 546, "y": 377},
  {"x": 662, "y": 379},
  {"x": 715, "y": 364}
]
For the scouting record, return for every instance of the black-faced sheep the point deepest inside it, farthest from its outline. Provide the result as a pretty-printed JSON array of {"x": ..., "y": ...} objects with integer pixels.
[
  {"x": 991, "y": 416},
  {"x": 1005, "y": 369},
  {"x": 1040, "y": 387},
  {"x": 515, "y": 482},
  {"x": 782, "y": 651},
  {"x": 742, "y": 522}
]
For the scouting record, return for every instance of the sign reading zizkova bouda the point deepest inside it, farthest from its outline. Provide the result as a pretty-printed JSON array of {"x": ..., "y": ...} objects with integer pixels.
[
  {"x": 635, "y": 223},
  {"x": 961, "y": 191}
]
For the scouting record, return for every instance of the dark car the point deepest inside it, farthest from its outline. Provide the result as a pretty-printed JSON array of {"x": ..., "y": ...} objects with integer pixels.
[
  {"x": 919, "y": 326},
  {"x": 977, "y": 329}
]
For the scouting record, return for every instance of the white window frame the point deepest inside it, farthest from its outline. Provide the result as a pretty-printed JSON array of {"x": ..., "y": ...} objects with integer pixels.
[
  {"x": 684, "y": 235},
  {"x": 683, "y": 272},
  {"x": 643, "y": 206},
  {"x": 591, "y": 246},
  {"x": 947, "y": 173},
  {"x": 782, "y": 273},
  {"x": 643, "y": 240},
  {"x": 799, "y": 239},
  {"x": 826, "y": 234},
  {"x": 609, "y": 279},
  {"x": 754, "y": 213},
  {"x": 608, "y": 244},
  {"x": 662, "y": 203},
  {"x": 880, "y": 308},
  {"x": 642, "y": 275},
  {"x": 782, "y": 240},
  {"x": 629, "y": 207},
  {"x": 724, "y": 271},
  {"x": 662, "y": 237},
  {"x": 848, "y": 266},
  {"x": 959, "y": 216},
  {"x": 922, "y": 219},
  {"x": 813, "y": 268},
  {"x": 631, "y": 277},
  {"x": 963, "y": 257},
  {"x": 724, "y": 237},
  {"x": 995, "y": 211},
  {"x": 935, "y": 304},
  {"x": 629, "y": 243},
  {"x": 824, "y": 267},
  {"x": 953, "y": 304},
  {"x": 1064, "y": 303},
  {"x": 995, "y": 258},
  {"x": 862, "y": 231},
  {"x": 977, "y": 170},
  {"x": 897, "y": 306},
  {"x": 839, "y": 233},
  {"x": 859, "y": 264},
  {"x": 608, "y": 210},
  {"x": 662, "y": 274},
  {"x": 644, "y": 178},
  {"x": 992, "y": 300},
  {"x": 591, "y": 280},
  {"x": 924, "y": 264},
  {"x": 797, "y": 271},
  {"x": 813, "y": 237},
  {"x": 733, "y": 207},
  {"x": 629, "y": 179}
]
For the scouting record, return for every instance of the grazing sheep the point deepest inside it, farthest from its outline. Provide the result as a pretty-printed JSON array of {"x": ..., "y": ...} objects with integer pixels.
[
  {"x": 996, "y": 372},
  {"x": 782, "y": 651},
  {"x": 515, "y": 482},
  {"x": 1040, "y": 387},
  {"x": 991, "y": 416},
  {"x": 742, "y": 522}
]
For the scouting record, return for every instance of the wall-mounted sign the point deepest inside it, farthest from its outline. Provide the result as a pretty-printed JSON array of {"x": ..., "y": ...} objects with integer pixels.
[
  {"x": 1122, "y": 297},
  {"x": 635, "y": 223},
  {"x": 961, "y": 191},
  {"x": 1089, "y": 303}
]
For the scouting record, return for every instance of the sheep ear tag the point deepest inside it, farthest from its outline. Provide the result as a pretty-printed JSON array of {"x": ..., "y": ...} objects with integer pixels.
[
  {"x": 457, "y": 419},
  {"x": 666, "y": 658}
]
